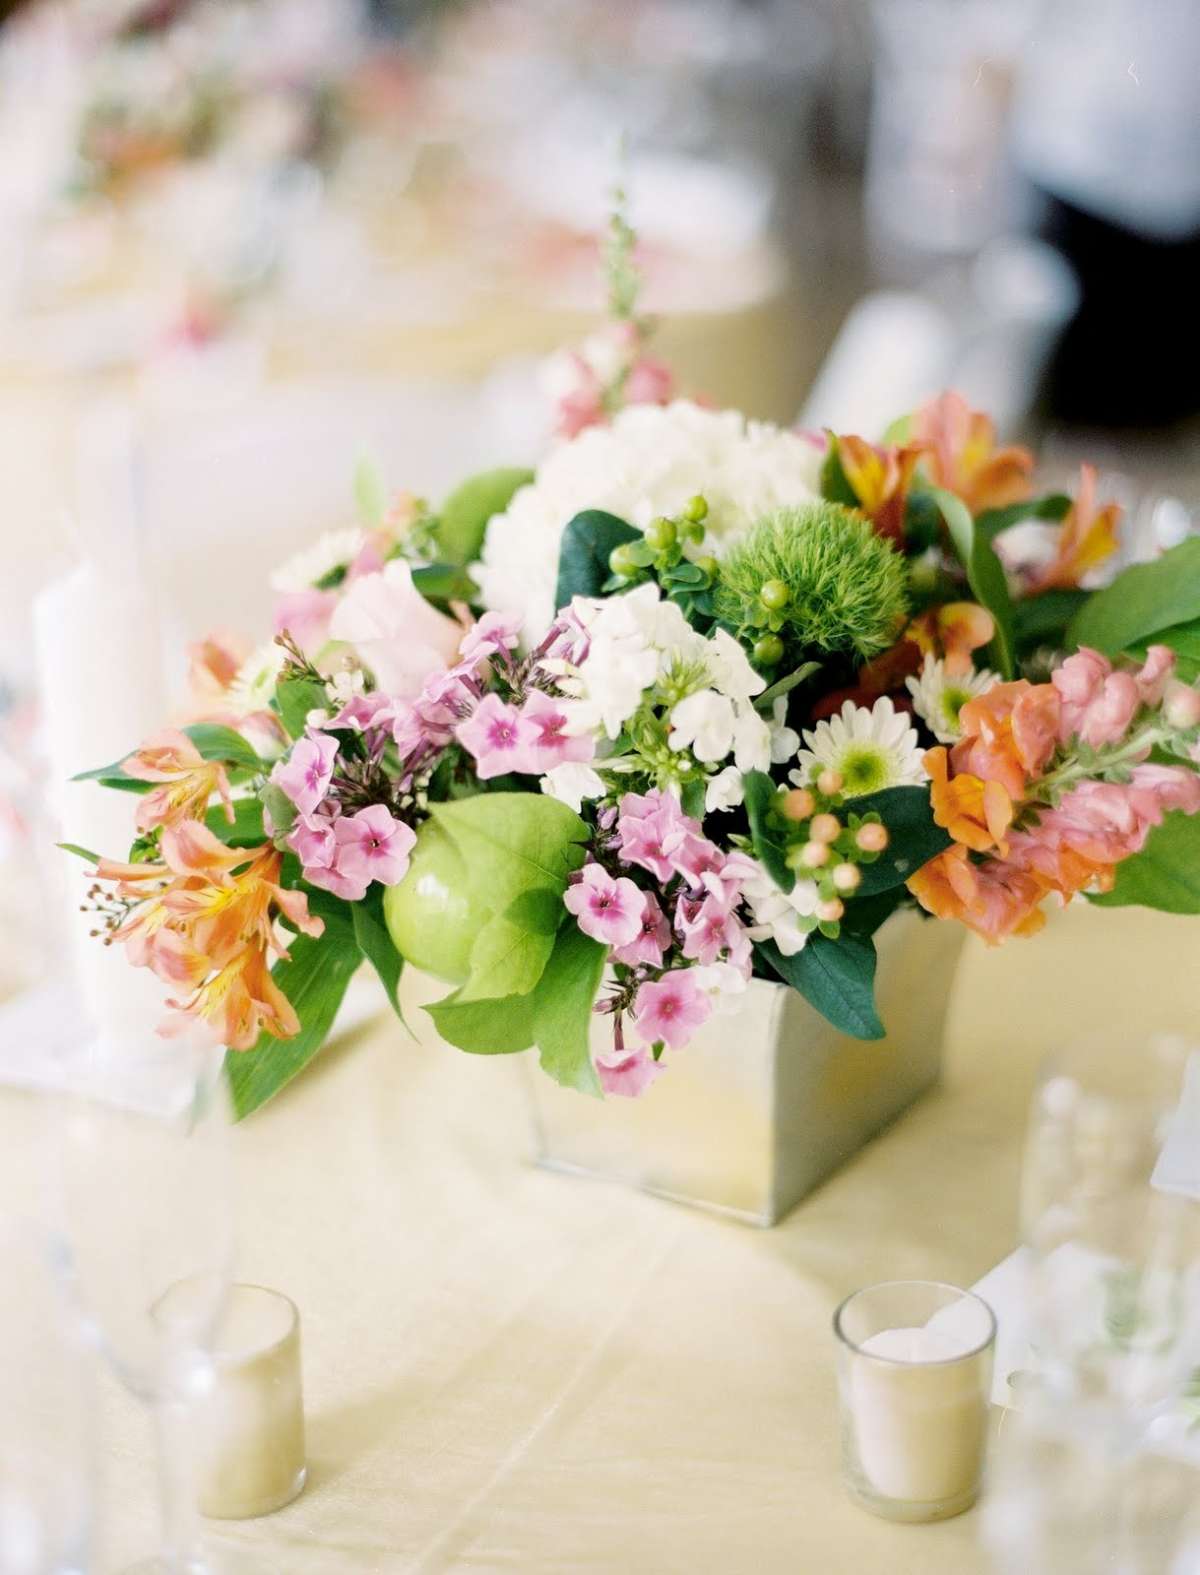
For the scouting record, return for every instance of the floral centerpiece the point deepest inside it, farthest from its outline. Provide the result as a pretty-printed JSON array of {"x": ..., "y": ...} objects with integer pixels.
[{"x": 700, "y": 699}]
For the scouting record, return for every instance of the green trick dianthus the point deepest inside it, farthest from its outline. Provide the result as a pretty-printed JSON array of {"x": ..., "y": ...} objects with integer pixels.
[{"x": 845, "y": 585}]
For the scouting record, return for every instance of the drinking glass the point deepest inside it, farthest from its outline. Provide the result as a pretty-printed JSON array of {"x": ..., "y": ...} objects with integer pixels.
[{"x": 148, "y": 1209}]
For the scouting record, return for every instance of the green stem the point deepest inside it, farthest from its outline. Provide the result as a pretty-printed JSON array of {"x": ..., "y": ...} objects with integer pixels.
[{"x": 1075, "y": 770}]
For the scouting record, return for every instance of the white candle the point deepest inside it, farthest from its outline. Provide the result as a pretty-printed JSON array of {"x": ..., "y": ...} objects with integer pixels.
[{"x": 920, "y": 1415}]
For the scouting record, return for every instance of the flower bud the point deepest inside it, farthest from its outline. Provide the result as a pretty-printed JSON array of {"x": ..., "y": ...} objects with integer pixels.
[
  {"x": 775, "y": 595},
  {"x": 1182, "y": 707},
  {"x": 814, "y": 854},
  {"x": 621, "y": 561},
  {"x": 768, "y": 650},
  {"x": 696, "y": 509},
  {"x": 871, "y": 838},
  {"x": 797, "y": 804},
  {"x": 847, "y": 877},
  {"x": 825, "y": 828},
  {"x": 661, "y": 534},
  {"x": 830, "y": 782},
  {"x": 830, "y": 912}
]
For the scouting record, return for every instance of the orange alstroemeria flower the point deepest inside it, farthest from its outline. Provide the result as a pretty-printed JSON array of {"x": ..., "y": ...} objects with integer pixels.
[
  {"x": 239, "y": 1001},
  {"x": 189, "y": 781},
  {"x": 975, "y": 812},
  {"x": 1086, "y": 538},
  {"x": 952, "y": 631},
  {"x": 993, "y": 899},
  {"x": 962, "y": 455},
  {"x": 880, "y": 479},
  {"x": 1008, "y": 734}
]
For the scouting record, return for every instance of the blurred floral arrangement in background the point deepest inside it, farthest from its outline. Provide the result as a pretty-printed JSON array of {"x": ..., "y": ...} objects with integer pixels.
[{"x": 700, "y": 699}]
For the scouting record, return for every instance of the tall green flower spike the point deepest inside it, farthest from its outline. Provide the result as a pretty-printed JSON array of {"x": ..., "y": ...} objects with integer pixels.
[{"x": 845, "y": 585}]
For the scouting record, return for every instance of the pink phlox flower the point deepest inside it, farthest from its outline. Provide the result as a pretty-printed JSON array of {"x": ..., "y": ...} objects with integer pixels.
[
  {"x": 306, "y": 773},
  {"x": 696, "y": 858},
  {"x": 570, "y": 638},
  {"x": 546, "y": 743},
  {"x": 651, "y": 829},
  {"x": 365, "y": 713},
  {"x": 709, "y": 929},
  {"x": 494, "y": 737},
  {"x": 373, "y": 845},
  {"x": 606, "y": 909},
  {"x": 495, "y": 632},
  {"x": 671, "y": 1009},
  {"x": 652, "y": 940},
  {"x": 628, "y": 1073}
]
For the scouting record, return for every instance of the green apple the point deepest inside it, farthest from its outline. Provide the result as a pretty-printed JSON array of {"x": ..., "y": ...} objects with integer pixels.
[{"x": 430, "y": 915}]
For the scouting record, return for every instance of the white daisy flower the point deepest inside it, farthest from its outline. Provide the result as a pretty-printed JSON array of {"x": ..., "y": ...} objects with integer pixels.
[
  {"x": 336, "y": 549},
  {"x": 253, "y": 684},
  {"x": 938, "y": 696},
  {"x": 870, "y": 750}
]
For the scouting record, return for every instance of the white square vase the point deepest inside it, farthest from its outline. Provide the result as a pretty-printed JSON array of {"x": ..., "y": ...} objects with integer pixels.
[{"x": 761, "y": 1106}]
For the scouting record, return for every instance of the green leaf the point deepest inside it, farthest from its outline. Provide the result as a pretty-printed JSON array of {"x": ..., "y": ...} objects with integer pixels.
[
  {"x": 990, "y": 522},
  {"x": 511, "y": 842},
  {"x": 864, "y": 915},
  {"x": 836, "y": 977},
  {"x": 222, "y": 743},
  {"x": 1165, "y": 874},
  {"x": 114, "y": 777},
  {"x": 314, "y": 980},
  {"x": 692, "y": 796},
  {"x": 296, "y": 697},
  {"x": 785, "y": 685},
  {"x": 445, "y": 582},
  {"x": 279, "y": 806},
  {"x": 81, "y": 853},
  {"x": 913, "y": 836},
  {"x": 897, "y": 432},
  {"x": 246, "y": 830},
  {"x": 834, "y": 484},
  {"x": 512, "y": 949},
  {"x": 587, "y": 544},
  {"x": 1145, "y": 599},
  {"x": 466, "y": 512},
  {"x": 500, "y": 1027},
  {"x": 760, "y": 793},
  {"x": 1043, "y": 620},
  {"x": 562, "y": 1009},
  {"x": 985, "y": 575},
  {"x": 370, "y": 494},
  {"x": 375, "y": 944}
]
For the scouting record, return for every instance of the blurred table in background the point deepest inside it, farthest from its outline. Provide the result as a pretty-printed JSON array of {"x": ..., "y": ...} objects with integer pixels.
[{"x": 511, "y": 1370}]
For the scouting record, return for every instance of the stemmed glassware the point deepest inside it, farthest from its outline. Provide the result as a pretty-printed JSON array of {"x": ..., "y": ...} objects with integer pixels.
[
  {"x": 147, "y": 1205},
  {"x": 1113, "y": 1315}
]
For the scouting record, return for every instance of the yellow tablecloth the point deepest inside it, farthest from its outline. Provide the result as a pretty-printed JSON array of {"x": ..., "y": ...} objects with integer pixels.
[{"x": 509, "y": 1370}]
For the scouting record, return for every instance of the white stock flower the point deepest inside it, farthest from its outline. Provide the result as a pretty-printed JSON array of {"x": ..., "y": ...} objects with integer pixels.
[
  {"x": 705, "y": 723},
  {"x": 785, "y": 741},
  {"x": 723, "y": 984},
  {"x": 336, "y": 549},
  {"x": 649, "y": 461},
  {"x": 571, "y": 783},
  {"x": 724, "y": 791},
  {"x": 779, "y": 915},
  {"x": 938, "y": 696},
  {"x": 870, "y": 750}
]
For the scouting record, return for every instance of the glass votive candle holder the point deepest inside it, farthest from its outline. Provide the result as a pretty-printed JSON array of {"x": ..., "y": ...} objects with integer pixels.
[
  {"x": 914, "y": 1377},
  {"x": 250, "y": 1420}
]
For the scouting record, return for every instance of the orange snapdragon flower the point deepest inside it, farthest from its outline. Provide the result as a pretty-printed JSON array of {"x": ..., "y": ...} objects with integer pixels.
[
  {"x": 189, "y": 781},
  {"x": 962, "y": 455},
  {"x": 1008, "y": 734},
  {"x": 993, "y": 899},
  {"x": 976, "y": 813},
  {"x": 880, "y": 479},
  {"x": 1086, "y": 538},
  {"x": 204, "y": 919}
]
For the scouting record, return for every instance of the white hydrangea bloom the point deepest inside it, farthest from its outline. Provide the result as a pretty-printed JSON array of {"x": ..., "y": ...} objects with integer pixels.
[{"x": 649, "y": 461}]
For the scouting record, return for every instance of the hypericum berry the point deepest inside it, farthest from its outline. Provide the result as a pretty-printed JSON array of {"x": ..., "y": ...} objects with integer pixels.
[
  {"x": 710, "y": 566},
  {"x": 775, "y": 595},
  {"x": 621, "y": 561},
  {"x": 829, "y": 782},
  {"x": 814, "y": 854},
  {"x": 693, "y": 530},
  {"x": 696, "y": 509},
  {"x": 1182, "y": 707},
  {"x": 661, "y": 534},
  {"x": 830, "y": 912},
  {"x": 797, "y": 804},
  {"x": 825, "y": 828},
  {"x": 871, "y": 838},
  {"x": 768, "y": 650},
  {"x": 847, "y": 877}
]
